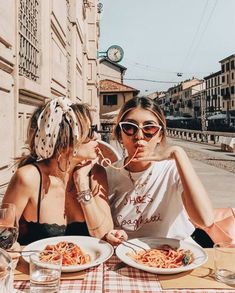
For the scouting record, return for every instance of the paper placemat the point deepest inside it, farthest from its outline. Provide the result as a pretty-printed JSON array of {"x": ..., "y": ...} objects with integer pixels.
[
  {"x": 199, "y": 278},
  {"x": 21, "y": 273}
]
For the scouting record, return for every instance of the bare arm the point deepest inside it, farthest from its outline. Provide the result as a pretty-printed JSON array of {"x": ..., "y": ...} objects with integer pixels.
[
  {"x": 195, "y": 197},
  {"x": 96, "y": 211},
  {"x": 20, "y": 188}
]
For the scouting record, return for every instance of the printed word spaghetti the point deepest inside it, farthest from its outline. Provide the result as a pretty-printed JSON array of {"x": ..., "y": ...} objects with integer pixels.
[
  {"x": 165, "y": 257},
  {"x": 71, "y": 254}
]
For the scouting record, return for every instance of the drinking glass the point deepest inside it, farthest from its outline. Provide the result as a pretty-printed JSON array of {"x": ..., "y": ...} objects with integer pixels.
[
  {"x": 6, "y": 274},
  {"x": 8, "y": 225},
  {"x": 44, "y": 276},
  {"x": 224, "y": 256}
]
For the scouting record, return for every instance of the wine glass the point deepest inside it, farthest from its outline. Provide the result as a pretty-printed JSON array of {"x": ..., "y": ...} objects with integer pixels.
[{"x": 8, "y": 225}]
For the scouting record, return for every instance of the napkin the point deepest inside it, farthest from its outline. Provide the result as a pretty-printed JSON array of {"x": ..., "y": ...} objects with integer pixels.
[
  {"x": 199, "y": 278},
  {"x": 21, "y": 273}
]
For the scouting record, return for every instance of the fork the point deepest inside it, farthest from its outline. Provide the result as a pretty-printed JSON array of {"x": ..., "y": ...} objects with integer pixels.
[
  {"x": 22, "y": 251},
  {"x": 129, "y": 244},
  {"x": 117, "y": 266}
]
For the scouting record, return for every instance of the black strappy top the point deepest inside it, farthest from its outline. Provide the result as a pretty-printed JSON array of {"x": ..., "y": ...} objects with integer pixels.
[{"x": 33, "y": 231}]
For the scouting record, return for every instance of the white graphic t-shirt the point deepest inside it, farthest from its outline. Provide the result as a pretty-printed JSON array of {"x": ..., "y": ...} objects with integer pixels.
[{"x": 154, "y": 208}]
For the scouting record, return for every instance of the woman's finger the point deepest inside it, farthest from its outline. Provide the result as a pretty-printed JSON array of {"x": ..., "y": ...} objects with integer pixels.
[
  {"x": 151, "y": 158},
  {"x": 116, "y": 236}
]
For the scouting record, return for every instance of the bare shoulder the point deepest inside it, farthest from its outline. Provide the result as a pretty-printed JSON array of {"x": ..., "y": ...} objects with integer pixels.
[{"x": 26, "y": 176}]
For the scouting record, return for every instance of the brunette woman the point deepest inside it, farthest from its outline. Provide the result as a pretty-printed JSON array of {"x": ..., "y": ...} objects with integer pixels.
[{"x": 156, "y": 192}]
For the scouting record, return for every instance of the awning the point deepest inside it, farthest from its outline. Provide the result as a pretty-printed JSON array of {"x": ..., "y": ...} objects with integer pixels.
[
  {"x": 111, "y": 114},
  {"x": 177, "y": 118},
  {"x": 217, "y": 116}
]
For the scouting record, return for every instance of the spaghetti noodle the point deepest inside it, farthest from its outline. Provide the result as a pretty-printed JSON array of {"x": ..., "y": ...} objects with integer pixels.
[
  {"x": 164, "y": 257},
  {"x": 109, "y": 163},
  {"x": 71, "y": 254}
]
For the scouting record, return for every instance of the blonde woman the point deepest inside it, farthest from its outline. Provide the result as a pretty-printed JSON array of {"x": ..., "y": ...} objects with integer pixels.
[{"x": 58, "y": 189}]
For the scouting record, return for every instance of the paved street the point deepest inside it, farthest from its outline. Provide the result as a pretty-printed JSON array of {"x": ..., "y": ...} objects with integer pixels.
[{"x": 215, "y": 168}]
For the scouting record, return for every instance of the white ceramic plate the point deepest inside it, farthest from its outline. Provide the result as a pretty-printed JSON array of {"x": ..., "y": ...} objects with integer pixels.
[
  {"x": 99, "y": 250},
  {"x": 200, "y": 256}
]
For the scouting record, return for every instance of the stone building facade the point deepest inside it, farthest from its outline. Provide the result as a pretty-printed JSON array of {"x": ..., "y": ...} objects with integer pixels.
[
  {"x": 228, "y": 84},
  {"x": 47, "y": 49}
]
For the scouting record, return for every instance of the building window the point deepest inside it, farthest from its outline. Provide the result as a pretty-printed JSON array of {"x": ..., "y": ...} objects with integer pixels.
[
  {"x": 227, "y": 66},
  {"x": 110, "y": 100},
  {"x": 232, "y": 89},
  {"x": 223, "y": 78},
  {"x": 222, "y": 68},
  {"x": 232, "y": 64},
  {"x": 29, "y": 39}
]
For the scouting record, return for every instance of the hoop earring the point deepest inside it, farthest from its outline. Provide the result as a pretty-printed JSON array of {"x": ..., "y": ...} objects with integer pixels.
[{"x": 67, "y": 165}]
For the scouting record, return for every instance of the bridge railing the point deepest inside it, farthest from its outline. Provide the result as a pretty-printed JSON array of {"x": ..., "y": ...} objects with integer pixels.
[{"x": 225, "y": 139}]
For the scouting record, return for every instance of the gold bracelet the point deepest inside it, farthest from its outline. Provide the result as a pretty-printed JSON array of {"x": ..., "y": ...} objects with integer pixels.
[{"x": 97, "y": 227}]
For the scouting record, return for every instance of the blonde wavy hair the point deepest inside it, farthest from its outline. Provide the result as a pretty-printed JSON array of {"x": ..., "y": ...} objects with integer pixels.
[{"x": 65, "y": 137}]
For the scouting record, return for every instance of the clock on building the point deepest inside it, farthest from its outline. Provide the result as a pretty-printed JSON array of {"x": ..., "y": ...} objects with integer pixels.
[{"x": 115, "y": 53}]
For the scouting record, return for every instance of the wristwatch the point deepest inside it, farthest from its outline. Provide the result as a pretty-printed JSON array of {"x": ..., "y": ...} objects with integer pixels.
[{"x": 84, "y": 196}]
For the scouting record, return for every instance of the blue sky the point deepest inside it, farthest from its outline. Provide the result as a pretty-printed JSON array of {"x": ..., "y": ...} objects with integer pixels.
[{"x": 161, "y": 38}]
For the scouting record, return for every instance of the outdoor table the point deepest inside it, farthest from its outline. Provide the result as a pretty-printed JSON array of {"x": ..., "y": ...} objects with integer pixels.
[{"x": 126, "y": 280}]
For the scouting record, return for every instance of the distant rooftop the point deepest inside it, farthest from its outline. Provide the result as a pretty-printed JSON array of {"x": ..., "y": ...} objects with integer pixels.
[{"x": 110, "y": 86}]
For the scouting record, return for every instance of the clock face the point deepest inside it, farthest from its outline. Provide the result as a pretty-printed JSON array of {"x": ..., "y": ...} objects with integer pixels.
[{"x": 115, "y": 53}]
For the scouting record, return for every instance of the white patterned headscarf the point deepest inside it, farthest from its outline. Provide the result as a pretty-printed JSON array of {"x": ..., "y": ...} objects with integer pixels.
[{"x": 49, "y": 125}]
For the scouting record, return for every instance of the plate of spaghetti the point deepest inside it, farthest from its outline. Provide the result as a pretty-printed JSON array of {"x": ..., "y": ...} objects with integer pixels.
[
  {"x": 78, "y": 252},
  {"x": 161, "y": 255}
]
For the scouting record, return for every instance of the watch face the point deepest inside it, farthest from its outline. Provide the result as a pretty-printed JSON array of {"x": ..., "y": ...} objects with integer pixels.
[
  {"x": 115, "y": 53},
  {"x": 87, "y": 196}
]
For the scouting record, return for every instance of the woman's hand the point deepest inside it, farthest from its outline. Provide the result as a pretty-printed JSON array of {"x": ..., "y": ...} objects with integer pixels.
[
  {"x": 85, "y": 167},
  {"x": 81, "y": 174},
  {"x": 166, "y": 153},
  {"x": 116, "y": 237}
]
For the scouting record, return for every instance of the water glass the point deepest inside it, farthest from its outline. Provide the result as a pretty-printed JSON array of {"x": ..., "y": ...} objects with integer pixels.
[
  {"x": 8, "y": 225},
  {"x": 224, "y": 256},
  {"x": 44, "y": 276},
  {"x": 6, "y": 273}
]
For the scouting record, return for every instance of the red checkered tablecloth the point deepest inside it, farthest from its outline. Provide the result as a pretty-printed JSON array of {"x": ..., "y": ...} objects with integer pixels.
[
  {"x": 102, "y": 279},
  {"x": 93, "y": 282}
]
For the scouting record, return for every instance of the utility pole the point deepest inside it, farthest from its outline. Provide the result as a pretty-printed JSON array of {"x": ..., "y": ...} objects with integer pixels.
[
  {"x": 203, "y": 115},
  {"x": 229, "y": 95}
]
